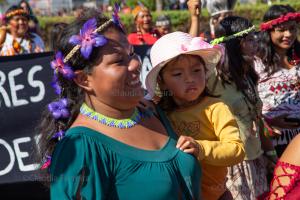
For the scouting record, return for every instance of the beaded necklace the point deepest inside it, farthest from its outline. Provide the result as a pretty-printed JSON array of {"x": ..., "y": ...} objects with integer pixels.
[{"x": 117, "y": 123}]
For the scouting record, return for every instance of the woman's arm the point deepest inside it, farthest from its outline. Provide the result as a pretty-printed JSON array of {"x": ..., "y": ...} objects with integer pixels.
[
  {"x": 195, "y": 11},
  {"x": 286, "y": 173}
]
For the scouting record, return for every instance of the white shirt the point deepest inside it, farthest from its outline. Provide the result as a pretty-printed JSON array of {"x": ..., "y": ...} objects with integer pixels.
[{"x": 279, "y": 92}]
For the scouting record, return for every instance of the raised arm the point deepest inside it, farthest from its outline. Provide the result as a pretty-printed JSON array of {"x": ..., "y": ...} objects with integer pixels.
[{"x": 195, "y": 11}]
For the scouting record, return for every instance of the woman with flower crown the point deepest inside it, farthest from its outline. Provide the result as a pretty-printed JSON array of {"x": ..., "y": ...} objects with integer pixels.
[
  {"x": 97, "y": 142},
  {"x": 17, "y": 38},
  {"x": 279, "y": 75}
]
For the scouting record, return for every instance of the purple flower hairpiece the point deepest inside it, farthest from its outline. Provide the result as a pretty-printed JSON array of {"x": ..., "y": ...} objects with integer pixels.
[
  {"x": 55, "y": 84},
  {"x": 59, "y": 135},
  {"x": 46, "y": 163},
  {"x": 87, "y": 39},
  {"x": 58, "y": 65},
  {"x": 59, "y": 109},
  {"x": 115, "y": 16}
]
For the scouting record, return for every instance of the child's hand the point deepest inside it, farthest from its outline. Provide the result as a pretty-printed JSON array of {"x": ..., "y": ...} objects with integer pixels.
[{"x": 188, "y": 145}]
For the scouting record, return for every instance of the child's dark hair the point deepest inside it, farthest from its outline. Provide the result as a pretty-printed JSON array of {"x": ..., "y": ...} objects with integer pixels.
[
  {"x": 236, "y": 65},
  {"x": 166, "y": 101},
  {"x": 266, "y": 50},
  {"x": 69, "y": 89}
]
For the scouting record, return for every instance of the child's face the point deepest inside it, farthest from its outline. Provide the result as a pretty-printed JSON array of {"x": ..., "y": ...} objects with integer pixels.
[
  {"x": 184, "y": 78},
  {"x": 284, "y": 35},
  {"x": 163, "y": 30}
]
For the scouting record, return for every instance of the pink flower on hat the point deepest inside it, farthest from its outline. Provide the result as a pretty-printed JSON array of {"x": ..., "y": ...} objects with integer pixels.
[{"x": 195, "y": 44}]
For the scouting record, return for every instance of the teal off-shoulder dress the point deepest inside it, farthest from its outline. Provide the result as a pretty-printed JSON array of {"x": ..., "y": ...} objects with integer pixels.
[{"x": 104, "y": 168}]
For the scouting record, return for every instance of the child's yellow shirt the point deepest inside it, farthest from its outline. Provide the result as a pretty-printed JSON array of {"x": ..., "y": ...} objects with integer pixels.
[{"x": 213, "y": 126}]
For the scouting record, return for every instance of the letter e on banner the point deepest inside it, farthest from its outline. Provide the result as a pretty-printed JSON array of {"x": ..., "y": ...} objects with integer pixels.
[
  {"x": 21, "y": 154},
  {"x": 36, "y": 83},
  {"x": 12, "y": 158}
]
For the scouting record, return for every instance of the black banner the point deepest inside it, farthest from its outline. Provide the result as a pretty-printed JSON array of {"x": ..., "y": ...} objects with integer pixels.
[{"x": 24, "y": 91}]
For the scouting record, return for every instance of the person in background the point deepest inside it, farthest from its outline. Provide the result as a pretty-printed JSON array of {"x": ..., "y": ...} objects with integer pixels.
[
  {"x": 163, "y": 25},
  {"x": 3, "y": 28},
  {"x": 236, "y": 81},
  {"x": 218, "y": 10},
  {"x": 279, "y": 76},
  {"x": 182, "y": 4},
  {"x": 146, "y": 34},
  {"x": 33, "y": 22},
  {"x": 98, "y": 143},
  {"x": 18, "y": 38}
]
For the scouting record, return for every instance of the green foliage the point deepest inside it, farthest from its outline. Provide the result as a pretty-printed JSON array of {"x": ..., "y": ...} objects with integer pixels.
[
  {"x": 132, "y": 3},
  {"x": 179, "y": 19},
  {"x": 45, "y": 21}
]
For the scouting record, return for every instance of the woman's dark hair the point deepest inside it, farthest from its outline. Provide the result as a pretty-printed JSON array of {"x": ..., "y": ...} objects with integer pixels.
[
  {"x": 69, "y": 89},
  {"x": 166, "y": 101},
  {"x": 27, "y": 5},
  {"x": 31, "y": 13},
  {"x": 266, "y": 50},
  {"x": 237, "y": 65},
  {"x": 55, "y": 34}
]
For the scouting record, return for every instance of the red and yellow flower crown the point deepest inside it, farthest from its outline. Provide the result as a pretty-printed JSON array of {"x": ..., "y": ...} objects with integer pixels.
[
  {"x": 284, "y": 18},
  {"x": 16, "y": 12}
]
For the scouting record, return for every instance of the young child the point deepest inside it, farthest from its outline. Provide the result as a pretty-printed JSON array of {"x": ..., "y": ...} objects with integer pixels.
[{"x": 180, "y": 66}]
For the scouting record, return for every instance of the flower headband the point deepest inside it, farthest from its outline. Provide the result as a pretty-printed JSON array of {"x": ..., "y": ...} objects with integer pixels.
[
  {"x": 87, "y": 38},
  {"x": 16, "y": 12},
  {"x": 287, "y": 17},
  {"x": 226, "y": 38}
]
